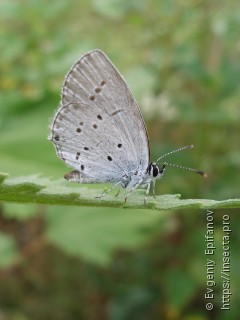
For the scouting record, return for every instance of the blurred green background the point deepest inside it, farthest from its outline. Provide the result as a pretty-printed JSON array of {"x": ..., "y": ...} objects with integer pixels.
[{"x": 181, "y": 60}]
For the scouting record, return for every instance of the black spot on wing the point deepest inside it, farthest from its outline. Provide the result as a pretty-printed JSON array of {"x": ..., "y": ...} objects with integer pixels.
[{"x": 98, "y": 90}]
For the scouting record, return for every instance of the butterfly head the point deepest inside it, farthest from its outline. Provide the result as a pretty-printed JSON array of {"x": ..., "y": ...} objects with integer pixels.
[{"x": 154, "y": 171}]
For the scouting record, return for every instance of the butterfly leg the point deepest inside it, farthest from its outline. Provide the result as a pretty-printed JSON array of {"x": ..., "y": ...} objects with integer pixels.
[
  {"x": 147, "y": 192},
  {"x": 105, "y": 193},
  {"x": 153, "y": 189},
  {"x": 117, "y": 192},
  {"x": 133, "y": 188}
]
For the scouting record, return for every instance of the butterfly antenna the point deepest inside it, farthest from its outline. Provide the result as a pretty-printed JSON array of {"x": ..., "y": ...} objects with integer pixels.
[
  {"x": 202, "y": 173},
  {"x": 180, "y": 149}
]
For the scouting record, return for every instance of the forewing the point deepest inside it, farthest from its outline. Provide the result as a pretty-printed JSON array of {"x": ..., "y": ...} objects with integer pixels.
[{"x": 98, "y": 112}]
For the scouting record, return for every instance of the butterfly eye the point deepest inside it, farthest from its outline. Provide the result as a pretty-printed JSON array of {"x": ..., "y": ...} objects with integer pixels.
[{"x": 155, "y": 171}]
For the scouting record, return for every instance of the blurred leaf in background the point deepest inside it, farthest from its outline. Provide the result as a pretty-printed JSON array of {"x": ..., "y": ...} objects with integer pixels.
[{"x": 181, "y": 60}]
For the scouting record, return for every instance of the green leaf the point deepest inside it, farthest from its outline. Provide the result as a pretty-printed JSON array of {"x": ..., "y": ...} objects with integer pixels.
[
  {"x": 93, "y": 234},
  {"x": 35, "y": 189}
]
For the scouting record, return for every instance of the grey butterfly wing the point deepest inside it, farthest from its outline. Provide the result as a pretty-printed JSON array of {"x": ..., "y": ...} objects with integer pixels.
[
  {"x": 98, "y": 129},
  {"x": 83, "y": 139},
  {"x": 94, "y": 80}
]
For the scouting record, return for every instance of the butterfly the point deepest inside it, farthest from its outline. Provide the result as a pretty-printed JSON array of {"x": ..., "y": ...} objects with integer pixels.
[{"x": 99, "y": 131}]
